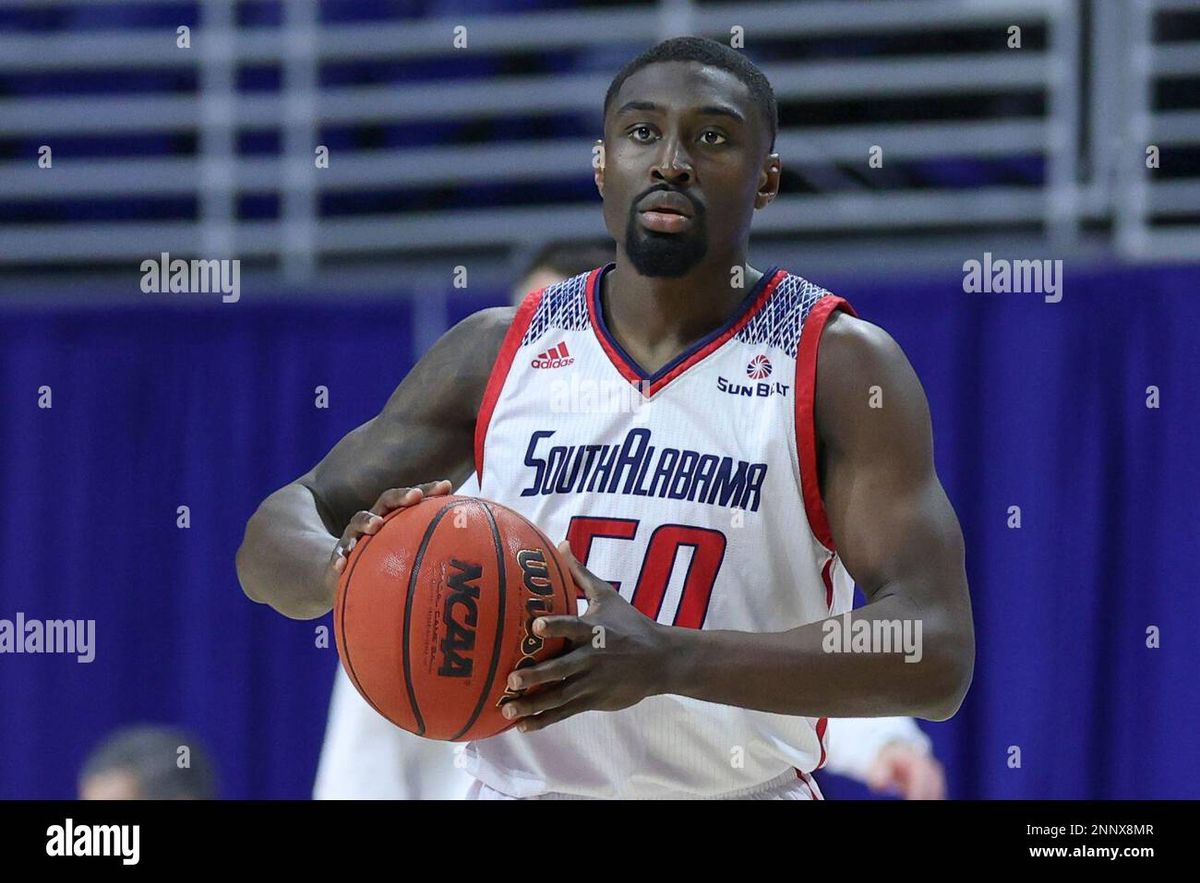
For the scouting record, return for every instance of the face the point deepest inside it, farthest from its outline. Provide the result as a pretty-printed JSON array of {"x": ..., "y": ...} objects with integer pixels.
[{"x": 688, "y": 133}]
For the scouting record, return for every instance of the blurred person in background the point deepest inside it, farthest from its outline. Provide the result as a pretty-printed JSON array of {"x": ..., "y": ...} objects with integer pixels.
[{"x": 148, "y": 762}]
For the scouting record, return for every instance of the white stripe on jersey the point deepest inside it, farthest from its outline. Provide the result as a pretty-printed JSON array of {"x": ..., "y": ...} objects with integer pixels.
[{"x": 690, "y": 496}]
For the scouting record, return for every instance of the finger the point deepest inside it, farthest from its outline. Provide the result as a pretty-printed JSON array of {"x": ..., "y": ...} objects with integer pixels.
[
  {"x": 549, "y": 672},
  {"x": 572, "y": 628},
  {"x": 554, "y": 715},
  {"x": 543, "y": 700},
  {"x": 362, "y": 522},
  {"x": 437, "y": 488},
  {"x": 396, "y": 498},
  {"x": 399, "y": 497},
  {"x": 593, "y": 587}
]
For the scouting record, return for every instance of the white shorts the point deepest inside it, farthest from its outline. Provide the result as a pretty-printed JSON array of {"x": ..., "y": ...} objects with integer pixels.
[{"x": 793, "y": 785}]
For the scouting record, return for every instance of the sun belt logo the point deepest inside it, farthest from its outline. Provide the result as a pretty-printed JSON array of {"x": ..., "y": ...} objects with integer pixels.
[
  {"x": 555, "y": 357},
  {"x": 759, "y": 368}
]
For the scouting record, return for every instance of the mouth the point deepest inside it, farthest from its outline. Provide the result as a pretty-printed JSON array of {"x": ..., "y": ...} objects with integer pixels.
[{"x": 662, "y": 219}]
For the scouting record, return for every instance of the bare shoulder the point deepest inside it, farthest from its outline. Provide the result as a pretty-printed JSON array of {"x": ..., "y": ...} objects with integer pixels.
[
  {"x": 482, "y": 332},
  {"x": 865, "y": 383},
  {"x": 454, "y": 372},
  {"x": 852, "y": 347}
]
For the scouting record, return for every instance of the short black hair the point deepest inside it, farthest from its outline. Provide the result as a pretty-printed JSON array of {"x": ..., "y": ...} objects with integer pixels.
[{"x": 712, "y": 53}]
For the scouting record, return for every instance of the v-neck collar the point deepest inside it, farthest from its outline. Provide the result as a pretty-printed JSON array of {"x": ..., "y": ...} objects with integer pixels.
[{"x": 649, "y": 384}]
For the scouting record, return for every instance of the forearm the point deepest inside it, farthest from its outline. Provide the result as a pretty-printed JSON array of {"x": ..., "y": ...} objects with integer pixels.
[
  {"x": 812, "y": 671},
  {"x": 284, "y": 555}
]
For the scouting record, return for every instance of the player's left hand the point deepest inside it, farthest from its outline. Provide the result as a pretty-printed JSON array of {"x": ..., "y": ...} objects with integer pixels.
[{"x": 615, "y": 654}]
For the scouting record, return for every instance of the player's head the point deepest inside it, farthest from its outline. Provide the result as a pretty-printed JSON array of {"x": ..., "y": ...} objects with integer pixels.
[
  {"x": 147, "y": 763},
  {"x": 692, "y": 117},
  {"x": 556, "y": 261}
]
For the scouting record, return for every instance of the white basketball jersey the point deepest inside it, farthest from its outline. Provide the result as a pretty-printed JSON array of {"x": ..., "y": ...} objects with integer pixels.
[{"x": 694, "y": 492}]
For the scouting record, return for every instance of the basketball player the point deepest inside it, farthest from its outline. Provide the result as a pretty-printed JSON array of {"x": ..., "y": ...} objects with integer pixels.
[
  {"x": 720, "y": 521},
  {"x": 365, "y": 756}
]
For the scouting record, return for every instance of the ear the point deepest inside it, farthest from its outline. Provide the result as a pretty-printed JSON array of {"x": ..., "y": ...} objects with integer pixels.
[
  {"x": 768, "y": 181},
  {"x": 598, "y": 165}
]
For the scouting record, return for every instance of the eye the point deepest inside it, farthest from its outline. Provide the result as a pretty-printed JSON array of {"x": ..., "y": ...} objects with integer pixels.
[
  {"x": 642, "y": 128},
  {"x": 713, "y": 132}
]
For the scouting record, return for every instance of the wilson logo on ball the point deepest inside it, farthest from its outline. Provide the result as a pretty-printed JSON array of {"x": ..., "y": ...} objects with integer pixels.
[
  {"x": 759, "y": 368},
  {"x": 536, "y": 578},
  {"x": 460, "y": 633}
]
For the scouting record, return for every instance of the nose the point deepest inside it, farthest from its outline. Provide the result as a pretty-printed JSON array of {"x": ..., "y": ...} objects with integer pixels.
[{"x": 673, "y": 163}]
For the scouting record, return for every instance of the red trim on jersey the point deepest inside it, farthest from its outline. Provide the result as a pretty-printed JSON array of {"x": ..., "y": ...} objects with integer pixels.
[
  {"x": 500, "y": 369},
  {"x": 806, "y": 428},
  {"x": 657, "y": 382},
  {"x": 810, "y": 785},
  {"x": 827, "y": 578}
]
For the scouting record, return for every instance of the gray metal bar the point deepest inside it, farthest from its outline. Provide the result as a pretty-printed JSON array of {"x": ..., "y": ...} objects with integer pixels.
[
  {"x": 528, "y": 160},
  {"x": 1132, "y": 204},
  {"x": 508, "y": 95},
  {"x": 298, "y": 163},
  {"x": 1063, "y": 122},
  {"x": 218, "y": 210},
  {"x": 509, "y": 226}
]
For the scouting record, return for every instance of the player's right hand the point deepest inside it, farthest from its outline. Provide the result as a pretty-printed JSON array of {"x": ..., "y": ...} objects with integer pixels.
[{"x": 368, "y": 521}]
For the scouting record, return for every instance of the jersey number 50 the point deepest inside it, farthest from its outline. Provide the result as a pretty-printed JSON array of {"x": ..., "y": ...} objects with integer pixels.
[{"x": 708, "y": 551}]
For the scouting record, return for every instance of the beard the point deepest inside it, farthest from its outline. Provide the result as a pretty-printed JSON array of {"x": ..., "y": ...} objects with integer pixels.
[{"x": 665, "y": 254}]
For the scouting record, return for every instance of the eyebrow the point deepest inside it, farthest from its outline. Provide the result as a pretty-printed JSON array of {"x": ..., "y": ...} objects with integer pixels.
[{"x": 707, "y": 110}]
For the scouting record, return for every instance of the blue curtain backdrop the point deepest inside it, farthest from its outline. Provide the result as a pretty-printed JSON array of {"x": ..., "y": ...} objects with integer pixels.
[{"x": 188, "y": 401}]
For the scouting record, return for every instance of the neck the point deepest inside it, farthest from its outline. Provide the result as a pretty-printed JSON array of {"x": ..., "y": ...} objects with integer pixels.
[{"x": 655, "y": 318}]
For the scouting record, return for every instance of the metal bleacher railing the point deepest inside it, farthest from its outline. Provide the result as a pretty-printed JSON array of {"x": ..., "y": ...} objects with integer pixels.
[{"x": 1087, "y": 117}]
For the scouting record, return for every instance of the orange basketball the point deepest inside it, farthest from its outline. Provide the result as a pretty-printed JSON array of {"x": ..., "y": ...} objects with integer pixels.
[{"x": 436, "y": 609}]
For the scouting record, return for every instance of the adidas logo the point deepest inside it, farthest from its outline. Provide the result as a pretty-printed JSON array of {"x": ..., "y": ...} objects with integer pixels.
[{"x": 555, "y": 357}]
